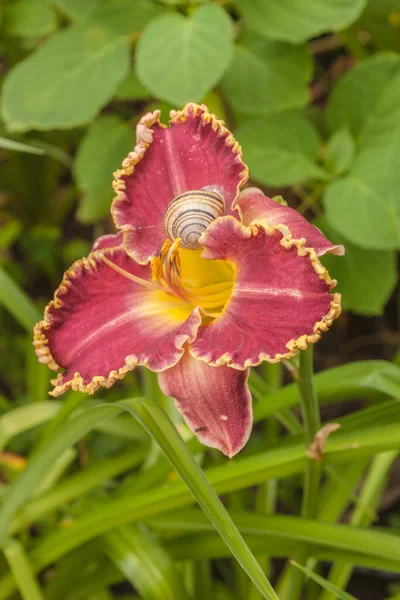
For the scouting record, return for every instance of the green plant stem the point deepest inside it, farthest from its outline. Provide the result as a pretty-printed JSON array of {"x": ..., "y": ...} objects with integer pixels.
[
  {"x": 267, "y": 493},
  {"x": 312, "y": 477},
  {"x": 312, "y": 424}
]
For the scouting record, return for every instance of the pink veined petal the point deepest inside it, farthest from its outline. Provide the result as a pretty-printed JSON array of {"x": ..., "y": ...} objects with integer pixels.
[
  {"x": 196, "y": 151},
  {"x": 101, "y": 324},
  {"x": 214, "y": 401},
  {"x": 110, "y": 240},
  {"x": 280, "y": 300},
  {"x": 255, "y": 207}
]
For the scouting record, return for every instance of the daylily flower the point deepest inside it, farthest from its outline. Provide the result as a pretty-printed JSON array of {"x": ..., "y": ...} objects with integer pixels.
[{"x": 201, "y": 283}]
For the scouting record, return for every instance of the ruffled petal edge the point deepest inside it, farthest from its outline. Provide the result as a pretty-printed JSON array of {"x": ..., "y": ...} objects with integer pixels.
[
  {"x": 144, "y": 138},
  {"x": 42, "y": 350},
  {"x": 303, "y": 341}
]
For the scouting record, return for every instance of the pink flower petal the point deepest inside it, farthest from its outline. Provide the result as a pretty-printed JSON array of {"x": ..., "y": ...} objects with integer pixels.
[
  {"x": 196, "y": 151},
  {"x": 110, "y": 240},
  {"x": 215, "y": 402},
  {"x": 100, "y": 324},
  {"x": 255, "y": 207},
  {"x": 280, "y": 301}
]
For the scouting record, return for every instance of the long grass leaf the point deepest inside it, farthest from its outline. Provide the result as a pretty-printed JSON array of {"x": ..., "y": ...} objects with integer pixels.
[{"x": 327, "y": 585}]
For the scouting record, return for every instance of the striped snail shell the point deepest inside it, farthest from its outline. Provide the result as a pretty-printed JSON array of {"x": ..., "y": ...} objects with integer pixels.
[{"x": 189, "y": 214}]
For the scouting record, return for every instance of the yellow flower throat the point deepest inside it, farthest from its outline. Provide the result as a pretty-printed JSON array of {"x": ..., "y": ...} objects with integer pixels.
[{"x": 193, "y": 279}]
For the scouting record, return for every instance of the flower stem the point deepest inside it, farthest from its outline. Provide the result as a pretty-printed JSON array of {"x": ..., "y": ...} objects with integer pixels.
[{"x": 312, "y": 423}]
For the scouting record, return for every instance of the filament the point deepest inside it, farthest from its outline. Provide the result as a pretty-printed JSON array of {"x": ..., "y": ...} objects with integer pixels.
[{"x": 139, "y": 280}]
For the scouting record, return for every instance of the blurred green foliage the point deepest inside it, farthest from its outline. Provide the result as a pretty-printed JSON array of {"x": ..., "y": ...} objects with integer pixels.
[{"x": 311, "y": 90}]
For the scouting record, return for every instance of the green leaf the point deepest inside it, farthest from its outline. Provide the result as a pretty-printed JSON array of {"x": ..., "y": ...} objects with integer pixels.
[
  {"x": 373, "y": 119},
  {"x": 339, "y": 152},
  {"x": 144, "y": 563},
  {"x": 9, "y": 232},
  {"x": 63, "y": 84},
  {"x": 106, "y": 143},
  {"x": 14, "y": 299},
  {"x": 158, "y": 425},
  {"x": 21, "y": 568},
  {"x": 267, "y": 77},
  {"x": 366, "y": 278},
  {"x": 179, "y": 59},
  {"x": 380, "y": 19},
  {"x": 296, "y": 22},
  {"x": 76, "y": 10},
  {"x": 281, "y": 149},
  {"x": 132, "y": 89},
  {"x": 364, "y": 207},
  {"x": 124, "y": 17},
  {"x": 45, "y": 457},
  {"x": 283, "y": 533},
  {"x": 354, "y": 380},
  {"x": 326, "y": 585},
  {"x": 29, "y": 19}
]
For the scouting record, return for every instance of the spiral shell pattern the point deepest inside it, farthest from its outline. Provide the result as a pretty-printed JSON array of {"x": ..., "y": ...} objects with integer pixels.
[{"x": 189, "y": 214}]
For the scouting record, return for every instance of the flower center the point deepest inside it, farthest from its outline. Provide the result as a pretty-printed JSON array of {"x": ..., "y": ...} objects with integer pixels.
[
  {"x": 189, "y": 214},
  {"x": 197, "y": 281}
]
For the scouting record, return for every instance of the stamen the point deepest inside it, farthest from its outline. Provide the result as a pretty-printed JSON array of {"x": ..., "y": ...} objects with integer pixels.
[{"x": 142, "y": 282}]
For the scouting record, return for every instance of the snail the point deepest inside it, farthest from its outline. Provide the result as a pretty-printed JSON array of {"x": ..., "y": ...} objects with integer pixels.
[{"x": 189, "y": 214}]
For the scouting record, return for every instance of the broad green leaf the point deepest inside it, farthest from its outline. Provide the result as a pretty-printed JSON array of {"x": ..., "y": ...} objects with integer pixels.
[
  {"x": 179, "y": 59},
  {"x": 267, "y": 77},
  {"x": 124, "y": 17},
  {"x": 63, "y": 84},
  {"x": 76, "y": 10},
  {"x": 145, "y": 563},
  {"x": 364, "y": 207},
  {"x": 8, "y": 144},
  {"x": 281, "y": 149},
  {"x": 132, "y": 89},
  {"x": 29, "y": 18},
  {"x": 106, "y": 143},
  {"x": 327, "y": 585},
  {"x": 339, "y": 152},
  {"x": 375, "y": 116},
  {"x": 380, "y": 19},
  {"x": 179, "y": 2},
  {"x": 366, "y": 278},
  {"x": 296, "y": 22}
]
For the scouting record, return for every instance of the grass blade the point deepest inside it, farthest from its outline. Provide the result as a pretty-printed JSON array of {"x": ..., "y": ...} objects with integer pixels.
[
  {"x": 144, "y": 563},
  {"x": 327, "y": 585},
  {"x": 156, "y": 422},
  {"x": 22, "y": 571}
]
